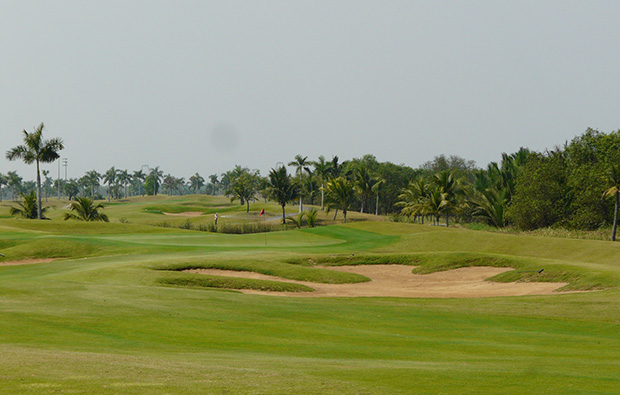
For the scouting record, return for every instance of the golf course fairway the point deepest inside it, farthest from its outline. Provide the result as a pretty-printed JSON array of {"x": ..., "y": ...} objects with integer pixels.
[{"x": 112, "y": 309}]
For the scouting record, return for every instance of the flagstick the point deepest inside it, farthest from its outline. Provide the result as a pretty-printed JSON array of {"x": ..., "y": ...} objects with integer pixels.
[{"x": 264, "y": 223}]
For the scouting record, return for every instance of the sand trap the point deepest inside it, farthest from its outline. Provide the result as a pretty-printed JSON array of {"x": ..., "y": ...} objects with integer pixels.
[
  {"x": 185, "y": 214},
  {"x": 25, "y": 262},
  {"x": 398, "y": 281}
]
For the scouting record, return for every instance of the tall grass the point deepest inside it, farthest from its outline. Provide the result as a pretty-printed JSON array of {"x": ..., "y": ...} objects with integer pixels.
[{"x": 238, "y": 229}]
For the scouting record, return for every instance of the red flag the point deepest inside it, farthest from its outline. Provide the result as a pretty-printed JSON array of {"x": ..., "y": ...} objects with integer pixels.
[{"x": 261, "y": 212}]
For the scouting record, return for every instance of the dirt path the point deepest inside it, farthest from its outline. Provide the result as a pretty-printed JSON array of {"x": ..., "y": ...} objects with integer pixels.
[
  {"x": 25, "y": 262},
  {"x": 398, "y": 281}
]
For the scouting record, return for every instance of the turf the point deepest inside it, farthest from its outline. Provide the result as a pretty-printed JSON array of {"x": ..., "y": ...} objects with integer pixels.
[{"x": 104, "y": 318}]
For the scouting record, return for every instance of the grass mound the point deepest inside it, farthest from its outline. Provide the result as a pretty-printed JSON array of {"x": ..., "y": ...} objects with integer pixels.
[
  {"x": 206, "y": 281},
  {"x": 274, "y": 268}
]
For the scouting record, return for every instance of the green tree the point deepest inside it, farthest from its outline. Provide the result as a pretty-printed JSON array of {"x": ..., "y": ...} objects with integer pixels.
[
  {"x": 340, "y": 194},
  {"x": 541, "y": 195},
  {"x": 28, "y": 208},
  {"x": 588, "y": 158},
  {"x": 36, "y": 150},
  {"x": 281, "y": 188},
  {"x": 243, "y": 186},
  {"x": 84, "y": 209},
  {"x": 458, "y": 166},
  {"x": 613, "y": 179}
]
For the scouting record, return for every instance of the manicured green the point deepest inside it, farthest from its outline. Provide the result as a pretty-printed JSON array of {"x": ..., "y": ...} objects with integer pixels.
[{"x": 116, "y": 315}]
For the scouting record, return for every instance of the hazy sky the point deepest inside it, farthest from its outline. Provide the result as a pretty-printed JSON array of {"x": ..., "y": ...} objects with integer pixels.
[{"x": 200, "y": 86}]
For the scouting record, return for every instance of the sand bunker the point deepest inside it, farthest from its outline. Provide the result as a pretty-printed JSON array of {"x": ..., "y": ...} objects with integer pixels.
[
  {"x": 398, "y": 281},
  {"x": 185, "y": 214},
  {"x": 25, "y": 262}
]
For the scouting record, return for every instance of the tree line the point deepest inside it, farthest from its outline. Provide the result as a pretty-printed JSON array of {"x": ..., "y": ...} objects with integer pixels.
[{"x": 573, "y": 186}]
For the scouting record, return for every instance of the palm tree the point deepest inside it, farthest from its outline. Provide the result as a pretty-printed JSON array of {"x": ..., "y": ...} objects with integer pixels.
[
  {"x": 178, "y": 184},
  {"x": 451, "y": 189},
  {"x": 282, "y": 190},
  {"x": 436, "y": 204},
  {"x": 340, "y": 194},
  {"x": 155, "y": 177},
  {"x": 71, "y": 188},
  {"x": 15, "y": 182},
  {"x": 311, "y": 215},
  {"x": 123, "y": 178},
  {"x": 335, "y": 168},
  {"x": 322, "y": 171},
  {"x": 36, "y": 149},
  {"x": 301, "y": 166},
  {"x": 28, "y": 208},
  {"x": 214, "y": 182},
  {"x": 363, "y": 185},
  {"x": 168, "y": 183},
  {"x": 196, "y": 182},
  {"x": 92, "y": 180},
  {"x": 84, "y": 209},
  {"x": 376, "y": 188},
  {"x": 490, "y": 205},
  {"x": 3, "y": 181},
  {"x": 614, "y": 179},
  {"x": 110, "y": 178},
  {"x": 47, "y": 184},
  {"x": 413, "y": 198},
  {"x": 138, "y": 177}
]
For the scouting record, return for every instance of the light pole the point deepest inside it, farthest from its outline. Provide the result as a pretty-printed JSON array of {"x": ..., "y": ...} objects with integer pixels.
[
  {"x": 65, "y": 163},
  {"x": 58, "y": 180}
]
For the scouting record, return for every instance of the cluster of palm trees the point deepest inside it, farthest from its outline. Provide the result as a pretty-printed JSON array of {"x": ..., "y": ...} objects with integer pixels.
[
  {"x": 340, "y": 189},
  {"x": 484, "y": 194},
  {"x": 15, "y": 183}
]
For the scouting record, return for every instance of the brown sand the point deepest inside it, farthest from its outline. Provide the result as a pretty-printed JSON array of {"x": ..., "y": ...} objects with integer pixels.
[
  {"x": 25, "y": 262},
  {"x": 398, "y": 281},
  {"x": 185, "y": 214}
]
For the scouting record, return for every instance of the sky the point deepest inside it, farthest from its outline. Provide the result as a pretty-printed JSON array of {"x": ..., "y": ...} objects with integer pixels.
[{"x": 202, "y": 86}]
